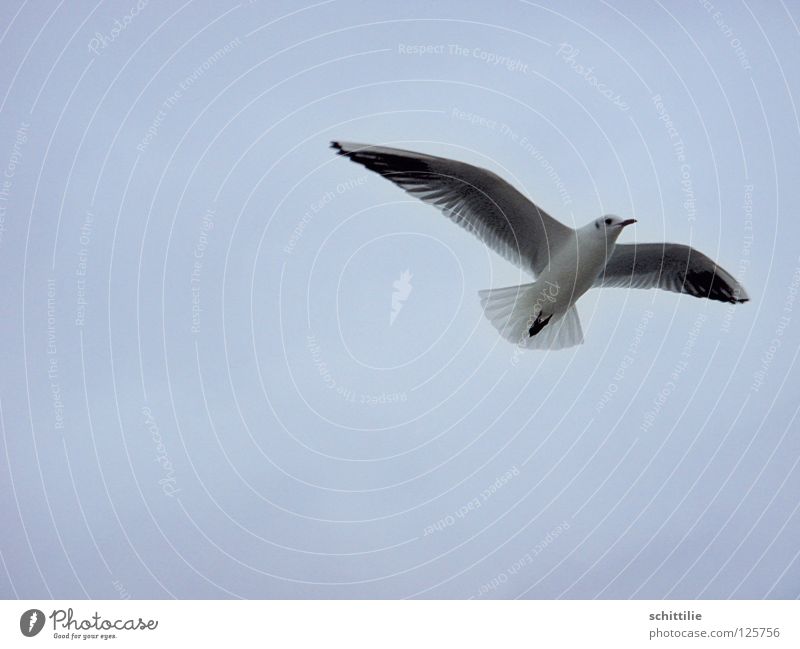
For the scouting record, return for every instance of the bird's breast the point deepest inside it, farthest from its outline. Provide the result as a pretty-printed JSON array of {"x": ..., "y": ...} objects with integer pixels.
[{"x": 573, "y": 269}]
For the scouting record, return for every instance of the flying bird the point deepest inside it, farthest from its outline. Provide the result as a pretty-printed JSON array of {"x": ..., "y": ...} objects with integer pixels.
[{"x": 564, "y": 262}]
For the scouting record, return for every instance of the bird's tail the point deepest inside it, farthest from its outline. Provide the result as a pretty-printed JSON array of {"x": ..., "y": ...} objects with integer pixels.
[{"x": 513, "y": 309}]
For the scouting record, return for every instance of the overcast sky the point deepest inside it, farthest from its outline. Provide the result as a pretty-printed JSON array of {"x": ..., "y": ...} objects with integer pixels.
[{"x": 235, "y": 365}]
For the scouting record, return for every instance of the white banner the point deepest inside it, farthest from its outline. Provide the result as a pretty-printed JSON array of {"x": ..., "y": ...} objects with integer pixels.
[{"x": 400, "y": 624}]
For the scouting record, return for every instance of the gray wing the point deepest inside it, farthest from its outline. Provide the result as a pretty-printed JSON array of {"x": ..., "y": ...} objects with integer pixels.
[
  {"x": 672, "y": 267},
  {"x": 476, "y": 199}
]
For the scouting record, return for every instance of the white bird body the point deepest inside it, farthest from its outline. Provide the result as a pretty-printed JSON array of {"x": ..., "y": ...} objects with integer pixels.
[
  {"x": 574, "y": 266},
  {"x": 521, "y": 312},
  {"x": 566, "y": 262}
]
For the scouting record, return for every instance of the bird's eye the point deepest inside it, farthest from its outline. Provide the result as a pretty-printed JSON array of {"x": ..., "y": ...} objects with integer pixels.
[{"x": 608, "y": 221}]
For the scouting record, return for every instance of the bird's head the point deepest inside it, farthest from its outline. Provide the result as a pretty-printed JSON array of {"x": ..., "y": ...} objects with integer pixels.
[{"x": 610, "y": 225}]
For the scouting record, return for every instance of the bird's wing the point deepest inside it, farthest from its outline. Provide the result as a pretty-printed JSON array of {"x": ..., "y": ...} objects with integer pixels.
[
  {"x": 478, "y": 200},
  {"x": 672, "y": 267}
]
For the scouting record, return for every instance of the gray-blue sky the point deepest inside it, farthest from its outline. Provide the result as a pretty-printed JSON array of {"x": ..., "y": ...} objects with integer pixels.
[{"x": 289, "y": 439}]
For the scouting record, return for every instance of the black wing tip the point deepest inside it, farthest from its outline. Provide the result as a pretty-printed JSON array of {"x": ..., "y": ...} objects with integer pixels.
[
  {"x": 714, "y": 284},
  {"x": 386, "y": 162},
  {"x": 734, "y": 295},
  {"x": 349, "y": 152},
  {"x": 725, "y": 297},
  {"x": 729, "y": 300},
  {"x": 349, "y": 148},
  {"x": 715, "y": 294}
]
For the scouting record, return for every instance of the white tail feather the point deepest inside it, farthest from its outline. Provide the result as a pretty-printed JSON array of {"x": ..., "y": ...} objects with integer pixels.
[{"x": 511, "y": 312}]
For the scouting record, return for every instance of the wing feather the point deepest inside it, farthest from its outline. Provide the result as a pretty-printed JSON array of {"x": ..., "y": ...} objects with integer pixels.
[
  {"x": 476, "y": 199},
  {"x": 672, "y": 267}
]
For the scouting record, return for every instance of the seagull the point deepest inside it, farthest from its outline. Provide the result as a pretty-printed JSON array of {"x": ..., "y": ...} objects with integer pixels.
[{"x": 564, "y": 262}]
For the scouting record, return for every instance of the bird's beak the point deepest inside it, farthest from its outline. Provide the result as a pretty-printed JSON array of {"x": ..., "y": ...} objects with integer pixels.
[{"x": 627, "y": 222}]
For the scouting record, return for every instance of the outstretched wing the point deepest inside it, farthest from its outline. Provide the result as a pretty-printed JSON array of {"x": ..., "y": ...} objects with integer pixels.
[
  {"x": 672, "y": 267},
  {"x": 478, "y": 200}
]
